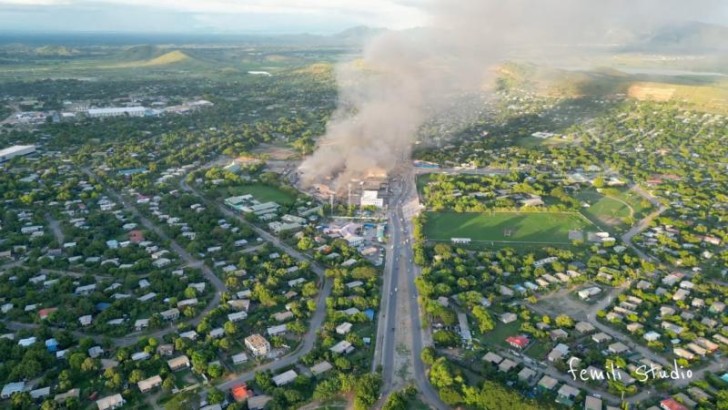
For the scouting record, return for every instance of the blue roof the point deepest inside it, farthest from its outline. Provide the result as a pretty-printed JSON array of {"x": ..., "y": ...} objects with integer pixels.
[
  {"x": 51, "y": 342},
  {"x": 725, "y": 377},
  {"x": 369, "y": 313},
  {"x": 102, "y": 306}
]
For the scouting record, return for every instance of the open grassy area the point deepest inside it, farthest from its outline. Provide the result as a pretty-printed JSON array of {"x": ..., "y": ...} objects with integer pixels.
[
  {"x": 605, "y": 210},
  {"x": 516, "y": 227},
  {"x": 498, "y": 336},
  {"x": 262, "y": 193}
]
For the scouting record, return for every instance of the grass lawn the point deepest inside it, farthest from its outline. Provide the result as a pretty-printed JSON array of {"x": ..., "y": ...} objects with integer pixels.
[
  {"x": 497, "y": 336},
  {"x": 262, "y": 193},
  {"x": 538, "y": 350},
  {"x": 503, "y": 226},
  {"x": 603, "y": 209}
]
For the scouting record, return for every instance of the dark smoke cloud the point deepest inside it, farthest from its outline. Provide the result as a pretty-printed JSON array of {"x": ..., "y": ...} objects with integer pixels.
[{"x": 403, "y": 77}]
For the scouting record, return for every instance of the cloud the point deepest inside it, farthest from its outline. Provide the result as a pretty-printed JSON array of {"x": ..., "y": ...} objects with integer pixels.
[{"x": 389, "y": 13}]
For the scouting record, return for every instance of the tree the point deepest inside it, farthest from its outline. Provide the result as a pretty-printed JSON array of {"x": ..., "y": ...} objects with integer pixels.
[
  {"x": 136, "y": 376},
  {"x": 428, "y": 355},
  {"x": 367, "y": 391},
  {"x": 215, "y": 396},
  {"x": 485, "y": 321},
  {"x": 564, "y": 321}
]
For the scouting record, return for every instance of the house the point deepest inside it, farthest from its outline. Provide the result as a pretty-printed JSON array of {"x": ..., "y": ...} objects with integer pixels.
[
  {"x": 547, "y": 383},
  {"x": 258, "y": 402},
  {"x": 12, "y": 388},
  {"x": 95, "y": 351},
  {"x": 110, "y": 402},
  {"x": 284, "y": 378},
  {"x": 651, "y": 336},
  {"x": 592, "y": 403},
  {"x": 45, "y": 313},
  {"x": 617, "y": 348},
  {"x": 683, "y": 353},
  {"x": 526, "y": 375},
  {"x": 178, "y": 363},
  {"x": 558, "y": 352},
  {"x": 150, "y": 383},
  {"x": 141, "y": 324},
  {"x": 506, "y": 365},
  {"x": 671, "y": 404},
  {"x": 217, "y": 333},
  {"x": 584, "y": 327},
  {"x": 589, "y": 292},
  {"x": 601, "y": 337},
  {"x": 558, "y": 334},
  {"x": 492, "y": 358},
  {"x": 508, "y": 317},
  {"x": 634, "y": 327},
  {"x": 71, "y": 394},
  {"x": 40, "y": 393},
  {"x": 27, "y": 342},
  {"x": 283, "y": 316},
  {"x": 566, "y": 395},
  {"x": 241, "y": 393},
  {"x": 519, "y": 342},
  {"x": 342, "y": 347},
  {"x": 171, "y": 314},
  {"x": 344, "y": 328},
  {"x": 239, "y": 304},
  {"x": 237, "y": 316},
  {"x": 257, "y": 345},
  {"x": 276, "y": 330},
  {"x": 140, "y": 356},
  {"x": 321, "y": 367},
  {"x": 240, "y": 358},
  {"x": 165, "y": 349}
]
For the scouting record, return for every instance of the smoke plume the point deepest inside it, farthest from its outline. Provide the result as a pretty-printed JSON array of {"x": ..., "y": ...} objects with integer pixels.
[{"x": 404, "y": 77}]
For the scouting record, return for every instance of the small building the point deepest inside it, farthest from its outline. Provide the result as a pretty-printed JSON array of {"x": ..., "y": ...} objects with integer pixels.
[
  {"x": 506, "y": 365},
  {"x": 344, "y": 328},
  {"x": 343, "y": 347},
  {"x": 547, "y": 383},
  {"x": 258, "y": 402},
  {"x": 240, "y": 358},
  {"x": 518, "y": 342},
  {"x": 257, "y": 344},
  {"x": 617, "y": 348},
  {"x": 492, "y": 358},
  {"x": 284, "y": 378},
  {"x": 180, "y": 362},
  {"x": 592, "y": 403},
  {"x": 149, "y": 384},
  {"x": 508, "y": 317},
  {"x": 12, "y": 388},
  {"x": 321, "y": 367},
  {"x": 110, "y": 402}
]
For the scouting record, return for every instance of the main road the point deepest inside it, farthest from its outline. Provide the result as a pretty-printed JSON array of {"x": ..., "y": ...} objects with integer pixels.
[{"x": 400, "y": 261}]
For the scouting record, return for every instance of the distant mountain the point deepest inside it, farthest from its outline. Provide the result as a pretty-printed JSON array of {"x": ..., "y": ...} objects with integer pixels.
[
  {"x": 138, "y": 53},
  {"x": 687, "y": 37}
]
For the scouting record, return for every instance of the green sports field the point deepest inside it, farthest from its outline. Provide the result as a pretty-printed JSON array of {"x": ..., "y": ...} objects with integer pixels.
[{"x": 503, "y": 226}]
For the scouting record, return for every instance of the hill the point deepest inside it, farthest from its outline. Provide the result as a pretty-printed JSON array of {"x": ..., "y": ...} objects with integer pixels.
[{"x": 688, "y": 37}]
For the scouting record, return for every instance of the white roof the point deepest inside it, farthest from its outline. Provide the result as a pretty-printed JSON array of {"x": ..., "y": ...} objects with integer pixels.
[{"x": 14, "y": 149}]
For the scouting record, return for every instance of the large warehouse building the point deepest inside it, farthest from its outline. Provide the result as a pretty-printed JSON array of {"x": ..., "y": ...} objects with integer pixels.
[
  {"x": 117, "y": 112},
  {"x": 16, "y": 151}
]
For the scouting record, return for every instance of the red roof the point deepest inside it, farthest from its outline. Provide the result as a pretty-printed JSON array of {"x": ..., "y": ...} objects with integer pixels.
[
  {"x": 518, "y": 341},
  {"x": 672, "y": 404},
  {"x": 240, "y": 392},
  {"x": 44, "y": 313},
  {"x": 136, "y": 236}
]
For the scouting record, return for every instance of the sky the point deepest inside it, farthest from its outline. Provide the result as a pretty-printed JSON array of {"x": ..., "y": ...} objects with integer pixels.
[{"x": 208, "y": 16}]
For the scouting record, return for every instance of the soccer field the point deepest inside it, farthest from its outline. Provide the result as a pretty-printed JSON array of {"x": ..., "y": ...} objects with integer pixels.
[{"x": 503, "y": 226}]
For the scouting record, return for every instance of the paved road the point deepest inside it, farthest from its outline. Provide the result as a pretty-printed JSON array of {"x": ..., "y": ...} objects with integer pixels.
[
  {"x": 401, "y": 238},
  {"x": 318, "y": 317}
]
